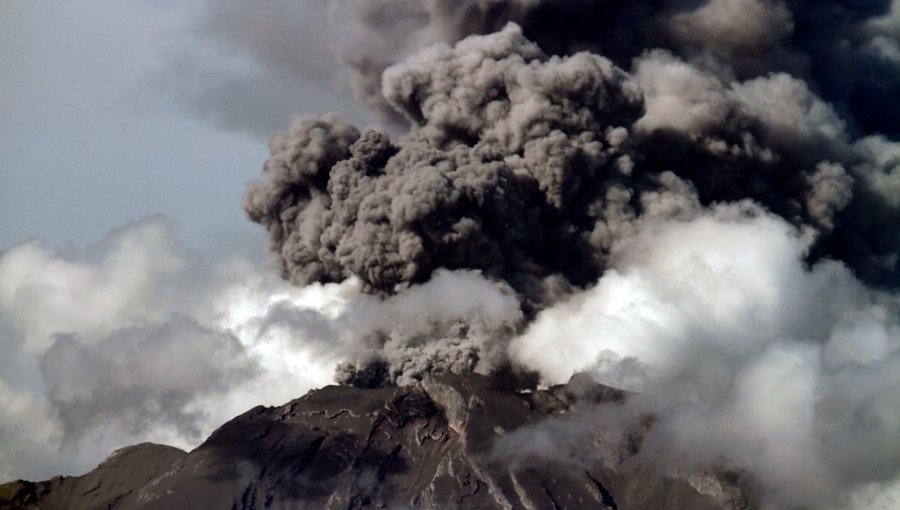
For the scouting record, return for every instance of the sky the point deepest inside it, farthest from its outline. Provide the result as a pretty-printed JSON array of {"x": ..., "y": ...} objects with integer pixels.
[
  {"x": 128, "y": 133},
  {"x": 106, "y": 119},
  {"x": 703, "y": 211}
]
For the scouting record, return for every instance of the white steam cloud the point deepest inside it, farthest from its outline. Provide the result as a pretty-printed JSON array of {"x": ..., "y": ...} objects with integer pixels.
[
  {"x": 136, "y": 339},
  {"x": 748, "y": 358}
]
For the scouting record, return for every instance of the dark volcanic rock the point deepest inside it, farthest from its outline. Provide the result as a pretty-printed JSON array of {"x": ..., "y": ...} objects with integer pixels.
[
  {"x": 424, "y": 446},
  {"x": 125, "y": 471}
]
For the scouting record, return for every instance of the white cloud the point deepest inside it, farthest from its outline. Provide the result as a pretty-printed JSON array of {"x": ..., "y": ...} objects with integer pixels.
[
  {"x": 138, "y": 340},
  {"x": 750, "y": 358}
]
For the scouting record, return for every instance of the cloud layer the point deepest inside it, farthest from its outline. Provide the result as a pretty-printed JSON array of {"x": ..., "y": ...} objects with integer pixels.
[
  {"x": 748, "y": 358},
  {"x": 136, "y": 339}
]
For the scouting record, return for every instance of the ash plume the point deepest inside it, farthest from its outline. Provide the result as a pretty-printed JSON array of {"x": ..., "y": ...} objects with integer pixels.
[
  {"x": 370, "y": 36},
  {"x": 483, "y": 182},
  {"x": 693, "y": 201},
  {"x": 531, "y": 168},
  {"x": 846, "y": 50},
  {"x": 686, "y": 199}
]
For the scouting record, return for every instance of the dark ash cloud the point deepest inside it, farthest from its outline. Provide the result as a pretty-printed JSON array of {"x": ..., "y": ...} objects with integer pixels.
[
  {"x": 702, "y": 209},
  {"x": 530, "y": 168},
  {"x": 484, "y": 182},
  {"x": 846, "y": 50}
]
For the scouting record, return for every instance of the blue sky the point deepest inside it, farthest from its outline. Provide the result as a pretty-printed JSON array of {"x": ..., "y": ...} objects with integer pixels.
[
  {"x": 113, "y": 111},
  {"x": 128, "y": 133}
]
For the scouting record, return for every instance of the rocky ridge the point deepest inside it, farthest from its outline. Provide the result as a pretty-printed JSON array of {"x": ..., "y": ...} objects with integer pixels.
[{"x": 431, "y": 445}]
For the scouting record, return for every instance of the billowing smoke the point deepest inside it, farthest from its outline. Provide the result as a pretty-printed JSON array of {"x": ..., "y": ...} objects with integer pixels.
[
  {"x": 846, "y": 50},
  {"x": 694, "y": 200},
  {"x": 749, "y": 359},
  {"x": 269, "y": 54},
  {"x": 507, "y": 186},
  {"x": 136, "y": 377},
  {"x": 532, "y": 169},
  {"x": 370, "y": 36}
]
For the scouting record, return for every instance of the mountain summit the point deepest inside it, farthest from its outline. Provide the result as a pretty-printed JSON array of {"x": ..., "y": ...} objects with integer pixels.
[{"x": 449, "y": 441}]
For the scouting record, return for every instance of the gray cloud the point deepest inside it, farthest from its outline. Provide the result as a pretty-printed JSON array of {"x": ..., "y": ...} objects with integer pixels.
[
  {"x": 668, "y": 218},
  {"x": 842, "y": 48},
  {"x": 824, "y": 43},
  {"x": 881, "y": 167},
  {"x": 141, "y": 377},
  {"x": 527, "y": 167},
  {"x": 748, "y": 360},
  {"x": 370, "y": 36},
  {"x": 457, "y": 322},
  {"x": 137, "y": 339},
  {"x": 846, "y": 51},
  {"x": 249, "y": 67},
  {"x": 485, "y": 181}
]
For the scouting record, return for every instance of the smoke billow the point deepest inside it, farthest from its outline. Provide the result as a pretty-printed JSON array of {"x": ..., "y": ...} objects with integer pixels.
[
  {"x": 846, "y": 50},
  {"x": 370, "y": 36},
  {"x": 502, "y": 173},
  {"x": 696, "y": 200},
  {"x": 531, "y": 168},
  {"x": 749, "y": 359}
]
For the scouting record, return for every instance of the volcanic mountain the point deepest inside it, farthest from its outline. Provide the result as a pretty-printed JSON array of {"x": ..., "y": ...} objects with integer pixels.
[{"x": 450, "y": 441}]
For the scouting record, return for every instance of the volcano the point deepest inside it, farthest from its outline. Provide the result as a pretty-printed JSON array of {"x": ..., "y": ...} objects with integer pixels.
[{"x": 435, "y": 444}]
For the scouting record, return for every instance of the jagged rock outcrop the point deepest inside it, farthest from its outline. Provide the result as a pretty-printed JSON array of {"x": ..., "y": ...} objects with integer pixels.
[{"x": 430, "y": 445}]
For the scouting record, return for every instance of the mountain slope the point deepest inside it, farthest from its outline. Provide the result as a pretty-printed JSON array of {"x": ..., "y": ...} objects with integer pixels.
[{"x": 432, "y": 445}]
